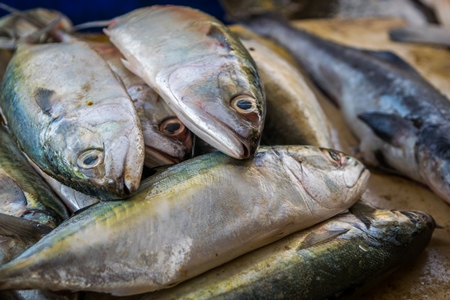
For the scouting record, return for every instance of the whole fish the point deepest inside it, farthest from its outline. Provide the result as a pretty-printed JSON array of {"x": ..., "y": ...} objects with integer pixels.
[
  {"x": 294, "y": 115},
  {"x": 188, "y": 219},
  {"x": 166, "y": 139},
  {"x": 200, "y": 69},
  {"x": 402, "y": 121},
  {"x": 339, "y": 257},
  {"x": 73, "y": 118}
]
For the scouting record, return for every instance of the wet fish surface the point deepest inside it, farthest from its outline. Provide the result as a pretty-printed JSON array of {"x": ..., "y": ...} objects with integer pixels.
[
  {"x": 337, "y": 258},
  {"x": 209, "y": 79},
  {"x": 166, "y": 139},
  {"x": 73, "y": 118},
  {"x": 402, "y": 121},
  {"x": 294, "y": 115},
  {"x": 156, "y": 238}
]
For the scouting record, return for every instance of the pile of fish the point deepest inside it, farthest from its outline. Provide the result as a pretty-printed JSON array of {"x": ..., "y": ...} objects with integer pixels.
[{"x": 115, "y": 124}]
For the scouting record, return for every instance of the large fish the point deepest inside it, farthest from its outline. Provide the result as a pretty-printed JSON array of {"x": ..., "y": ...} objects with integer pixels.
[
  {"x": 200, "y": 69},
  {"x": 73, "y": 118},
  {"x": 336, "y": 258},
  {"x": 166, "y": 139},
  {"x": 402, "y": 121},
  {"x": 190, "y": 218},
  {"x": 294, "y": 115}
]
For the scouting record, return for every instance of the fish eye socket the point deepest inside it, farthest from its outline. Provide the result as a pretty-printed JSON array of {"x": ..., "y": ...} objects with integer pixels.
[
  {"x": 244, "y": 104},
  {"x": 90, "y": 158},
  {"x": 334, "y": 156},
  {"x": 172, "y": 127}
]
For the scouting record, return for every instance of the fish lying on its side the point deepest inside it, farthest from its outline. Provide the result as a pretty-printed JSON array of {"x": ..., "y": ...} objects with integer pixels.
[
  {"x": 166, "y": 139},
  {"x": 205, "y": 75},
  {"x": 188, "y": 219},
  {"x": 402, "y": 121},
  {"x": 336, "y": 258},
  {"x": 294, "y": 116},
  {"x": 73, "y": 118}
]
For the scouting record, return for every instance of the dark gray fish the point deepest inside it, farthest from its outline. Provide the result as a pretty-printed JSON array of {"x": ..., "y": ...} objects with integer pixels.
[
  {"x": 343, "y": 255},
  {"x": 402, "y": 121}
]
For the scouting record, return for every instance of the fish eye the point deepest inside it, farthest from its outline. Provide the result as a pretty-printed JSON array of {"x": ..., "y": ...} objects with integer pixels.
[
  {"x": 90, "y": 158},
  {"x": 244, "y": 104},
  {"x": 172, "y": 126},
  {"x": 334, "y": 156}
]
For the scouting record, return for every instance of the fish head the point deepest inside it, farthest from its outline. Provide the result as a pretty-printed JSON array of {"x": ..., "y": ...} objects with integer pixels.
[
  {"x": 433, "y": 156},
  {"x": 167, "y": 140},
  {"x": 222, "y": 104},
  {"x": 327, "y": 176},
  {"x": 99, "y": 152},
  {"x": 398, "y": 228}
]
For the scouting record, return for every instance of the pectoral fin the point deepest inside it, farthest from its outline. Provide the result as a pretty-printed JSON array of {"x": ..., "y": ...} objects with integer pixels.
[
  {"x": 22, "y": 228},
  {"x": 391, "y": 128}
]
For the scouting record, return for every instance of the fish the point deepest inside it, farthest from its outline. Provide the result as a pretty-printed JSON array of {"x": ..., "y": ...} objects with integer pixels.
[
  {"x": 294, "y": 115},
  {"x": 435, "y": 35},
  {"x": 167, "y": 140},
  {"x": 73, "y": 118},
  {"x": 340, "y": 257},
  {"x": 156, "y": 238},
  {"x": 23, "y": 193},
  {"x": 203, "y": 73},
  {"x": 401, "y": 120}
]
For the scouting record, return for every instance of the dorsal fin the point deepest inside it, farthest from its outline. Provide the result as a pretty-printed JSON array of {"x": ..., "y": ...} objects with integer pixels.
[{"x": 393, "y": 59}]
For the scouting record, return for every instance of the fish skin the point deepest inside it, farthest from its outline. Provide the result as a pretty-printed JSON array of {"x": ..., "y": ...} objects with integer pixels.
[
  {"x": 245, "y": 204},
  {"x": 161, "y": 147},
  {"x": 337, "y": 258},
  {"x": 91, "y": 141},
  {"x": 366, "y": 84},
  {"x": 207, "y": 69},
  {"x": 23, "y": 193},
  {"x": 294, "y": 115}
]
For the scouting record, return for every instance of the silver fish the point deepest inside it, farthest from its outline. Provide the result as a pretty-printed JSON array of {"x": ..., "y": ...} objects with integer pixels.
[
  {"x": 200, "y": 69},
  {"x": 402, "y": 121},
  {"x": 339, "y": 257},
  {"x": 156, "y": 238},
  {"x": 166, "y": 139},
  {"x": 73, "y": 118}
]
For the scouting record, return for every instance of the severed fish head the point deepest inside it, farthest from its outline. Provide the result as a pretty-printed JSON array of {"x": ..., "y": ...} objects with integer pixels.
[{"x": 326, "y": 174}]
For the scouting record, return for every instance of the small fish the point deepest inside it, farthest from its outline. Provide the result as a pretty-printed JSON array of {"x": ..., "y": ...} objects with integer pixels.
[
  {"x": 166, "y": 139},
  {"x": 156, "y": 238},
  {"x": 294, "y": 115},
  {"x": 73, "y": 118},
  {"x": 205, "y": 75},
  {"x": 339, "y": 257},
  {"x": 402, "y": 121}
]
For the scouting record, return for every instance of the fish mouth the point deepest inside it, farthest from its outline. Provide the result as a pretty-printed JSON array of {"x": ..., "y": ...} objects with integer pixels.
[
  {"x": 155, "y": 158},
  {"x": 351, "y": 180},
  {"x": 420, "y": 217}
]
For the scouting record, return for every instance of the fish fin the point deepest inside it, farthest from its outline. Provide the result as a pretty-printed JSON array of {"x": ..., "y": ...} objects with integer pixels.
[
  {"x": 393, "y": 59},
  {"x": 217, "y": 32},
  {"x": 383, "y": 127},
  {"x": 43, "y": 98},
  {"x": 436, "y": 35},
  {"x": 363, "y": 212},
  {"x": 11, "y": 192},
  {"x": 315, "y": 238},
  {"x": 22, "y": 228}
]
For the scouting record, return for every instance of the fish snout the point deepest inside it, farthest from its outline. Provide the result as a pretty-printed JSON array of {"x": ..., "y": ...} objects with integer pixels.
[{"x": 419, "y": 217}]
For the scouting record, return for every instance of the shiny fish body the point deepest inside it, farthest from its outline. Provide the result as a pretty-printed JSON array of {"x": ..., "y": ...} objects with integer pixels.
[
  {"x": 200, "y": 69},
  {"x": 23, "y": 193},
  {"x": 294, "y": 116},
  {"x": 86, "y": 134},
  {"x": 166, "y": 139},
  {"x": 334, "y": 259},
  {"x": 156, "y": 238},
  {"x": 402, "y": 121}
]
